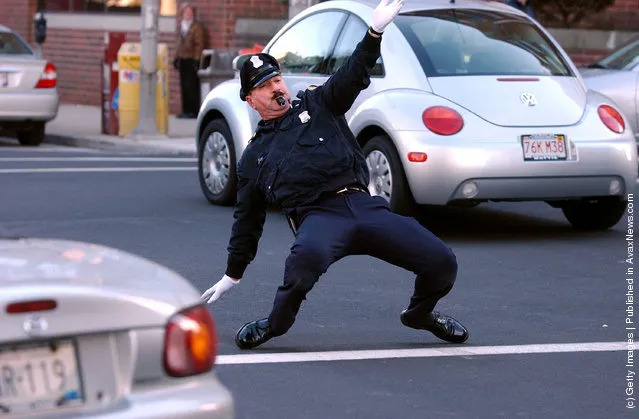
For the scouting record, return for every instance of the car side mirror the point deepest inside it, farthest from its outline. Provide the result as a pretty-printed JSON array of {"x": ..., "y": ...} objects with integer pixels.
[{"x": 239, "y": 61}]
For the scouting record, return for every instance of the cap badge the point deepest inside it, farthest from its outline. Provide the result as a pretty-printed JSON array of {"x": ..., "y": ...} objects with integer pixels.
[
  {"x": 304, "y": 117},
  {"x": 256, "y": 61}
]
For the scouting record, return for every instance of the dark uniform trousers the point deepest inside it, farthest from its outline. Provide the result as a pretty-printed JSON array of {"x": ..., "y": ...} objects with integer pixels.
[{"x": 355, "y": 223}]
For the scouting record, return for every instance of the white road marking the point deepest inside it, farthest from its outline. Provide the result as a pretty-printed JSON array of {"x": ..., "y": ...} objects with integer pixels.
[
  {"x": 268, "y": 358},
  {"x": 99, "y": 169},
  {"x": 99, "y": 159}
]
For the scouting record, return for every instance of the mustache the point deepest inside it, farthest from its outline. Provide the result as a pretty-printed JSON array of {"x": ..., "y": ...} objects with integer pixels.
[{"x": 278, "y": 94}]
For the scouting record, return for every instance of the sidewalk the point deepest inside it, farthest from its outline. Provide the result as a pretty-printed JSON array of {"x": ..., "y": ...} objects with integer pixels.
[{"x": 81, "y": 126}]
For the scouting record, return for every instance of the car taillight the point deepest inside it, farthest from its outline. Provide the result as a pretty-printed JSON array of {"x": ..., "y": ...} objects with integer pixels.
[
  {"x": 611, "y": 118},
  {"x": 190, "y": 343},
  {"x": 442, "y": 120},
  {"x": 49, "y": 77},
  {"x": 31, "y": 306}
]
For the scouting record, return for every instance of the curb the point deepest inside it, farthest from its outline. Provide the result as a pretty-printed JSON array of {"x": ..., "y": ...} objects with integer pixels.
[{"x": 120, "y": 145}]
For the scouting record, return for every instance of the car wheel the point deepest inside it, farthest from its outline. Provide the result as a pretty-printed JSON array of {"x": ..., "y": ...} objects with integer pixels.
[
  {"x": 216, "y": 163},
  {"x": 33, "y": 136},
  {"x": 597, "y": 214},
  {"x": 387, "y": 178}
]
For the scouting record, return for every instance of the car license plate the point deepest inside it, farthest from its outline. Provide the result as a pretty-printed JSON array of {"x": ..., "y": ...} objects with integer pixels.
[
  {"x": 4, "y": 80},
  {"x": 39, "y": 377},
  {"x": 544, "y": 147}
]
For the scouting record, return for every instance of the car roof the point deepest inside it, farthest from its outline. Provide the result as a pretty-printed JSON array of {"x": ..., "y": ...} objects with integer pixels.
[
  {"x": 5, "y": 29},
  {"x": 418, "y": 5}
]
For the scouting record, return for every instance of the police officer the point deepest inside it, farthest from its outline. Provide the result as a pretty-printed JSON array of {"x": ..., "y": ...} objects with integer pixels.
[{"x": 304, "y": 159}]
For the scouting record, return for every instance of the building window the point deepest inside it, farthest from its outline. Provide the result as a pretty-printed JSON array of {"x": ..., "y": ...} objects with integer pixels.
[{"x": 167, "y": 7}]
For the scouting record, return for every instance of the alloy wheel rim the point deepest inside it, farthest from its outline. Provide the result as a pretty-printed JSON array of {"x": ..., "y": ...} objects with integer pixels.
[
  {"x": 216, "y": 162},
  {"x": 381, "y": 179}
]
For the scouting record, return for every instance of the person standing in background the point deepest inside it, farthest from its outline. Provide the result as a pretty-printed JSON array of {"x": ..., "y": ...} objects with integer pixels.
[
  {"x": 523, "y": 5},
  {"x": 190, "y": 43}
]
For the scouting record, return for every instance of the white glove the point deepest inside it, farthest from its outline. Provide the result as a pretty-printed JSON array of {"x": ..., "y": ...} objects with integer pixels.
[
  {"x": 219, "y": 288},
  {"x": 384, "y": 14}
]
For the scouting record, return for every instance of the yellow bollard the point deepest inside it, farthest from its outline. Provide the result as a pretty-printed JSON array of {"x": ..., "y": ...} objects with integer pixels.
[
  {"x": 162, "y": 91},
  {"x": 129, "y": 88}
]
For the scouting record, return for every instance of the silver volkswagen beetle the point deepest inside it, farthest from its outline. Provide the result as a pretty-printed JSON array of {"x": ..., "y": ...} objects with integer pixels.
[
  {"x": 94, "y": 332},
  {"x": 471, "y": 101}
]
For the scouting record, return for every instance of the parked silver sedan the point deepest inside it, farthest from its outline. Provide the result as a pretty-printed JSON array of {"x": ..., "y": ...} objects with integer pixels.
[
  {"x": 28, "y": 89},
  {"x": 617, "y": 76},
  {"x": 471, "y": 101},
  {"x": 94, "y": 332}
]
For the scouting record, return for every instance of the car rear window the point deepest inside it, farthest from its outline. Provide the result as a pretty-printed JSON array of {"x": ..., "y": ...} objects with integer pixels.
[
  {"x": 623, "y": 59},
  {"x": 10, "y": 44},
  {"x": 467, "y": 42}
]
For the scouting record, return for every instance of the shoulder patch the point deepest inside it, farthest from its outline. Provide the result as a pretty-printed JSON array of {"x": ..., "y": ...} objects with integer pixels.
[{"x": 312, "y": 87}]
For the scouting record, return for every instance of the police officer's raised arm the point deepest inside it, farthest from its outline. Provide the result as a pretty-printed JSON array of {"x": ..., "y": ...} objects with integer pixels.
[
  {"x": 341, "y": 89},
  {"x": 249, "y": 215}
]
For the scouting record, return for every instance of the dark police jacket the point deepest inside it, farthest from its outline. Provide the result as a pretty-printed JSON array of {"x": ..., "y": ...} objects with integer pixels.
[{"x": 292, "y": 160}]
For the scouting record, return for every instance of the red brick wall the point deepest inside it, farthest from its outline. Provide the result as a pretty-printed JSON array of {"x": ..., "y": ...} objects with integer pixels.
[
  {"x": 219, "y": 19},
  {"x": 18, "y": 15},
  {"x": 623, "y": 15}
]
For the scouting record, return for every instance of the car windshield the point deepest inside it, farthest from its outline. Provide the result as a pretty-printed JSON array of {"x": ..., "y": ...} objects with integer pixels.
[
  {"x": 468, "y": 42},
  {"x": 10, "y": 44},
  {"x": 625, "y": 58}
]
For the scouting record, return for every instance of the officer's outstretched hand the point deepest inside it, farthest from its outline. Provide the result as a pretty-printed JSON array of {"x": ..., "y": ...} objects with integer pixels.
[
  {"x": 384, "y": 14},
  {"x": 216, "y": 291}
]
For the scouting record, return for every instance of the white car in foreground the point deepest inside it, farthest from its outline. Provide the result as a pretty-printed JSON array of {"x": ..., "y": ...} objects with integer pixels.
[{"x": 94, "y": 332}]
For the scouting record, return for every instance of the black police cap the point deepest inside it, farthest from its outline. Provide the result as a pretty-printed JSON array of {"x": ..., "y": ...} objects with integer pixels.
[{"x": 256, "y": 70}]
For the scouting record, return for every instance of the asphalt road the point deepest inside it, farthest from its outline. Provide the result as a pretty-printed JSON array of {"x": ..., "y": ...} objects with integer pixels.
[{"x": 525, "y": 279}]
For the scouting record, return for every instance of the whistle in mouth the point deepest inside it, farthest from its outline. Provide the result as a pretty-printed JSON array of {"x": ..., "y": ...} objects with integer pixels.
[{"x": 280, "y": 101}]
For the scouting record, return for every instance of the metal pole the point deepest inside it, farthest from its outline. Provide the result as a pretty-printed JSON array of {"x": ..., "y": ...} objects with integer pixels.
[{"x": 148, "y": 68}]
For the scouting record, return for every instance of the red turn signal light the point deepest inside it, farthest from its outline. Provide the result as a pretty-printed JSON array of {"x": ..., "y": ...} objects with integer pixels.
[
  {"x": 49, "y": 77},
  {"x": 31, "y": 306},
  {"x": 442, "y": 120},
  {"x": 190, "y": 343},
  {"x": 611, "y": 118},
  {"x": 417, "y": 157}
]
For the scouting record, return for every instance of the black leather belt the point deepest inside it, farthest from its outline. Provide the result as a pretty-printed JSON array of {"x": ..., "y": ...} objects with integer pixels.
[{"x": 351, "y": 188}]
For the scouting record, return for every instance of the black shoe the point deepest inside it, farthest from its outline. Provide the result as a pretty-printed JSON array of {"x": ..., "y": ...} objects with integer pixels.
[
  {"x": 442, "y": 326},
  {"x": 253, "y": 334}
]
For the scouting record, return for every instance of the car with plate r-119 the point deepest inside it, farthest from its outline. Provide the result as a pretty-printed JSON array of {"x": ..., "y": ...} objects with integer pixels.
[{"x": 90, "y": 331}]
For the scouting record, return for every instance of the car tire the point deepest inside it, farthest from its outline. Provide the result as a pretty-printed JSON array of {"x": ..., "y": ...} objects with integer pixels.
[
  {"x": 382, "y": 160},
  {"x": 32, "y": 137},
  {"x": 216, "y": 163},
  {"x": 599, "y": 214}
]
